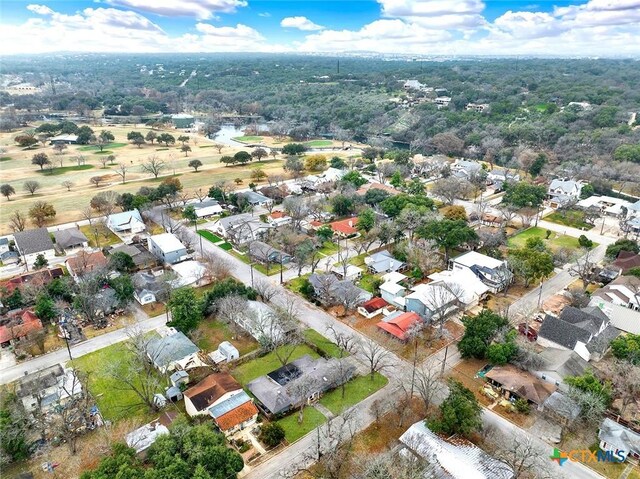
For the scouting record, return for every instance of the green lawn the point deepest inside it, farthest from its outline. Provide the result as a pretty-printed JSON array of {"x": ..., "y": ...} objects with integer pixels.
[
  {"x": 250, "y": 370},
  {"x": 356, "y": 390},
  {"x": 65, "y": 169},
  {"x": 296, "y": 283},
  {"x": 318, "y": 143},
  {"x": 293, "y": 430},
  {"x": 214, "y": 332},
  {"x": 5, "y": 158},
  {"x": 554, "y": 242},
  {"x": 329, "y": 348},
  {"x": 114, "y": 401},
  {"x": 247, "y": 139},
  {"x": 358, "y": 260},
  {"x": 226, "y": 246},
  {"x": 572, "y": 218},
  {"x": 329, "y": 248},
  {"x": 273, "y": 268},
  {"x": 105, "y": 236},
  {"x": 106, "y": 147},
  {"x": 368, "y": 282},
  {"x": 208, "y": 235}
]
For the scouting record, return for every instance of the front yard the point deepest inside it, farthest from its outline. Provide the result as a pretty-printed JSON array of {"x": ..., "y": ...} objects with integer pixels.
[
  {"x": 572, "y": 218},
  {"x": 555, "y": 241},
  {"x": 211, "y": 333},
  {"x": 105, "y": 236},
  {"x": 356, "y": 390},
  {"x": 329, "y": 348},
  {"x": 247, "y": 372},
  {"x": 294, "y": 430}
]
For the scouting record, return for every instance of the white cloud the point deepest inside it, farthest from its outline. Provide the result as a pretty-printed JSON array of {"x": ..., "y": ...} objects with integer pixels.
[
  {"x": 40, "y": 9},
  {"x": 301, "y": 23},
  {"x": 200, "y": 9},
  {"x": 264, "y": 14},
  {"x": 436, "y": 13}
]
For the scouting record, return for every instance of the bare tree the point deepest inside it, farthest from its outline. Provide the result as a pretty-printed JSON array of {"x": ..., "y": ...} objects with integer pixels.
[
  {"x": 626, "y": 382},
  {"x": 17, "y": 221},
  {"x": 585, "y": 269},
  {"x": 219, "y": 147},
  {"x": 266, "y": 289},
  {"x": 343, "y": 258},
  {"x": 508, "y": 212},
  {"x": 31, "y": 186},
  {"x": 428, "y": 383},
  {"x": 443, "y": 299},
  {"x": 201, "y": 195},
  {"x": 390, "y": 465},
  {"x": 73, "y": 417},
  {"x": 297, "y": 209},
  {"x": 302, "y": 389},
  {"x": 374, "y": 355},
  {"x": 121, "y": 171},
  {"x": 217, "y": 268},
  {"x": 67, "y": 184},
  {"x": 424, "y": 255},
  {"x": 96, "y": 180},
  {"x": 154, "y": 165},
  {"x": 521, "y": 455},
  {"x": 348, "y": 295},
  {"x": 451, "y": 189},
  {"x": 231, "y": 307}
]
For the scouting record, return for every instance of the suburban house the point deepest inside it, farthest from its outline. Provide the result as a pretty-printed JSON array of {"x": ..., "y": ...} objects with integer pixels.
[
  {"x": 348, "y": 272},
  {"x": 279, "y": 391},
  {"x": 68, "y": 139},
  {"x": 465, "y": 168},
  {"x": 514, "y": 382},
  {"x": 345, "y": 228},
  {"x": 560, "y": 408},
  {"x": 278, "y": 218},
  {"x": 140, "y": 255},
  {"x": 234, "y": 414},
  {"x": 142, "y": 438},
  {"x": 47, "y": 388},
  {"x": 607, "y": 205},
  {"x": 173, "y": 351},
  {"x": 36, "y": 278},
  {"x": 85, "y": 263},
  {"x": 4, "y": 245},
  {"x": 625, "y": 261},
  {"x": 620, "y": 302},
  {"x": 442, "y": 101},
  {"x": 372, "y": 308},
  {"x": 225, "y": 353},
  {"x": 477, "y": 107},
  {"x": 168, "y": 248},
  {"x": 190, "y": 273},
  {"x": 206, "y": 208},
  {"x": 212, "y": 390},
  {"x": 240, "y": 228},
  {"x": 393, "y": 293},
  {"x": 126, "y": 222},
  {"x": 557, "y": 364},
  {"x": 620, "y": 440},
  {"x": 400, "y": 325},
  {"x": 18, "y": 326},
  {"x": 254, "y": 198},
  {"x": 328, "y": 288},
  {"x": 383, "y": 262},
  {"x": 489, "y": 219},
  {"x": 451, "y": 458},
  {"x": 31, "y": 243},
  {"x": 562, "y": 192},
  {"x": 70, "y": 238},
  {"x": 377, "y": 186},
  {"x": 267, "y": 254},
  {"x": 498, "y": 177},
  {"x": 147, "y": 287},
  {"x": 493, "y": 272},
  {"x": 586, "y": 331}
]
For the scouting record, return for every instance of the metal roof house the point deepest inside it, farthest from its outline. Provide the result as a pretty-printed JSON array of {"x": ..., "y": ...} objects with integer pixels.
[
  {"x": 254, "y": 198},
  {"x": 234, "y": 414},
  {"x": 620, "y": 440},
  {"x": 126, "y": 222},
  {"x": 172, "y": 352},
  {"x": 168, "y": 248},
  {"x": 383, "y": 262},
  {"x": 493, "y": 272}
]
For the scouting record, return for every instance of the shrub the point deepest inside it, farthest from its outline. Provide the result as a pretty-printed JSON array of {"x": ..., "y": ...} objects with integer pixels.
[
  {"x": 585, "y": 242},
  {"x": 522, "y": 406},
  {"x": 272, "y": 434}
]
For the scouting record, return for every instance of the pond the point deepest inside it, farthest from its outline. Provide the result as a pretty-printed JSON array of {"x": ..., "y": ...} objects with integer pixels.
[{"x": 228, "y": 131}]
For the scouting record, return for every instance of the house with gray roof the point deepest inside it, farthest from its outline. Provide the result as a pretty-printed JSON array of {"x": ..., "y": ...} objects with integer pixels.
[
  {"x": 267, "y": 254},
  {"x": 254, "y": 198},
  {"x": 141, "y": 256},
  {"x": 328, "y": 289},
  {"x": 300, "y": 382},
  {"x": 173, "y": 351},
  {"x": 562, "y": 192},
  {"x": 586, "y": 331},
  {"x": 70, "y": 238},
  {"x": 241, "y": 228},
  {"x": 561, "y": 408},
  {"x": 384, "y": 262},
  {"x": 31, "y": 243},
  {"x": 620, "y": 301},
  {"x": 557, "y": 364},
  {"x": 620, "y": 440},
  {"x": 147, "y": 287},
  {"x": 206, "y": 208}
]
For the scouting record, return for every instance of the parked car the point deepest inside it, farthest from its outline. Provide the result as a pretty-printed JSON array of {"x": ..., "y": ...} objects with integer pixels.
[{"x": 527, "y": 331}]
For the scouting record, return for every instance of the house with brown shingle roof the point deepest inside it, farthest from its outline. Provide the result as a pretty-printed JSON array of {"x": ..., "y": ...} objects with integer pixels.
[
  {"x": 85, "y": 263},
  {"x": 521, "y": 384},
  {"x": 18, "y": 327},
  {"x": 211, "y": 391}
]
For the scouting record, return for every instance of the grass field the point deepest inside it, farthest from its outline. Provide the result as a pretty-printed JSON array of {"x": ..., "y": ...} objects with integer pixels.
[
  {"x": 212, "y": 333},
  {"x": 356, "y": 390},
  {"x": 105, "y": 236},
  {"x": 318, "y": 143},
  {"x": 296, "y": 283},
  {"x": 329, "y": 248},
  {"x": 247, "y": 139},
  {"x": 294, "y": 430},
  {"x": 226, "y": 246},
  {"x": 329, "y": 348},
  {"x": 554, "y": 242},
  {"x": 114, "y": 401},
  {"x": 250, "y": 370},
  {"x": 108, "y": 146},
  {"x": 65, "y": 169},
  {"x": 5, "y": 158},
  {"x": 209, "y": 236},
  {"x": 572, "y": 218}
]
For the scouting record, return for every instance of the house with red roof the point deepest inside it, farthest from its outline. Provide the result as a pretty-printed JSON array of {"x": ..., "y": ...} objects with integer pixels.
[
  {"x": 344, "y": 228},
  {"x": 399, "y": 325},
  {"x": 19, "y": 327},
  {"x": 372, "y": 308},
  {"x": 85, "y": 263}
]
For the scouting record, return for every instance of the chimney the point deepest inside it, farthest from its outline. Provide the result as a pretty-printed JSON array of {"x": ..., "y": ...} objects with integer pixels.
[{"x": 350, "y": 223}]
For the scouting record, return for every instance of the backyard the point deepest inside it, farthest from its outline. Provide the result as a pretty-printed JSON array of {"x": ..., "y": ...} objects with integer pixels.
[
  {"x": 554, "y": 242},
  {"x": 211, "y": 333},
  {"x": 247, "y": 372}
]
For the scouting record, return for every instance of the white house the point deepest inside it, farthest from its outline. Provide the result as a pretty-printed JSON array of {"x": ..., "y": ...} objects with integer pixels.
[
  {"x": 621, "y": 441},
  {"x": 142, "y": 438},
  {"x": 190, "y": 273},
  {"x": 562, "y": 192},
  {"x": 620, "y": 302},
  {"x": 48, "y": 388},
  {"x": 31, "y": 243},
  {"x": 493, "y": 272},
  {"x": 206, "y": 208},
  {"x": 607, "y": 205},
  {"x": 225, "y": 353},
  {"x": 168, "y": 248},
  {"x": 240, "y": 228},
  {"x": 260, "y": 321},
  {"x": 126, "y": 222},
  {"x": 353, "y": 273},
  {"x": 393, "y": 293}
]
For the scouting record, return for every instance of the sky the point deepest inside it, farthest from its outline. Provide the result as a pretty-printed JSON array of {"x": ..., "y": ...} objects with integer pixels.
[{"x": 587, "y": 28}]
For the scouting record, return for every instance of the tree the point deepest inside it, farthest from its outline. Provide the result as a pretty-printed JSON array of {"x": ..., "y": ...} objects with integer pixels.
[
  {"x": 154, "y": 165},
  {"x": 26, "y": 141},
  {"x": 447, "y": 144},
  {"x": 448, "y": 234},
  {"x": 40, "y": 159},
  {"x": 460, "y": 412},
  {"x": 586, "y": 269},
  {"x": 219, "y": 147},
  {"x": 185, "y": 310},
  {"x": 531, "y": 264},
  {"x": 45, "y": 308},
  {"x": 85, "y": 134},
  {"x": 451, "y": 189},
  {"x": 316, "y": 162},
  {"x": 522, "y": 195},
  {"x": 195, "y": 164},
  {"x": 522, "y": 457},
  {"x": 104, "y": 138},
  {"x": 67, "y": 184},
  {"x": 454, "y": 212},
  {"x": 14, "y": 430},
  {"x": 589, "y": 382},
  {"x": 185, "y": 149},
  {"x": 627, "y": 348},
  {"x": 105, "y": 202},
  {"x": 258, "y": 174},
  {"x": 166, "y": 138},
  {"x": 136, "y": 138},
  {"x": 121, "y": 262},
  {"x": 614, "y": 249},
  {"x": 293, "y": 165},
  {"x": 504, "y": 350},
  {"x": 342, "y": 205},
  {"x": 183, "y": 139},
  {"x": 366, "y": 220},
  {"x": 356, "y": 179},
  {"x": 272, "y": 434},
  {"x": 96, "y": 180},
  {"x": 123, "y": 287},
  {"x": 374, "y": 355},
  {"x": 7, "y": 190},
  {"x": 40, "y": 262},
  {"x": 17, "y": 221},
  {"x": 242, "y": 157},
  {"x": 479, "y": 333},
  {"x": 41, "y": 212},
  {"x": 259, "y": 154},
  {"x": 294, "y": 149},
  {"x": 151, "y": 136},
  {"x": 428, "y": 383},
  {"x": 585, "y": 242},
  {"x": 536, "y": 167}
]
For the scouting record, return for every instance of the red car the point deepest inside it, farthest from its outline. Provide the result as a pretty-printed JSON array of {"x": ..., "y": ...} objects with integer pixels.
[{"x": 528, "y": 331}]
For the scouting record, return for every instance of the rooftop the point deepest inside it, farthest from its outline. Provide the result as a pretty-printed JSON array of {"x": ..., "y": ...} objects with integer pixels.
[
  {"x": 400, "y": 326},
  {"x": 619, "y": 436},
  {"x": 346, "y": 227},
  {"x": 473, "y": 258},
  {"x": 33, "y": 241},
  {"x": 521, "y": 383},
  {"x": 85, "y": 262},
  {"x": 168, "y": 349},
  {"x": 237, "y": 416},
  {"x": 167, "y": 242},
  {"x": 69, "y": 237},
  {"x": 374, "y": 304},
  {"x": 210, "y": 389}
]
